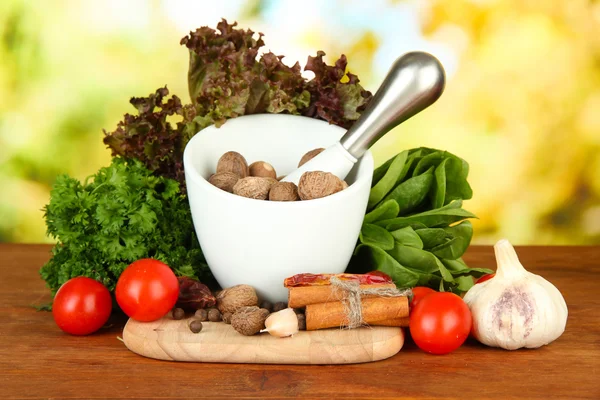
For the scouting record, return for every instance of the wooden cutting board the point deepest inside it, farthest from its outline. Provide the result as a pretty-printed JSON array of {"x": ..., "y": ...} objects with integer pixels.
[{"x": 169, "y": 339}]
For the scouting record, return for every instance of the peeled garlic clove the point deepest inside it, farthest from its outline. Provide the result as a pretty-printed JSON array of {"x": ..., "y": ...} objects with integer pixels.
[{"x": 282, "y": 323}]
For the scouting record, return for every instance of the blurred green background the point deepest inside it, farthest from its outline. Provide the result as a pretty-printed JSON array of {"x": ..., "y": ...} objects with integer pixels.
[{"x": 522, "y": 102}]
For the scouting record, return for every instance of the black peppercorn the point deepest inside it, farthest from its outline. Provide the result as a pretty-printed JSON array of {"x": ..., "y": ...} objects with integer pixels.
[
  {"x": 202, "y": 314},
  {"x": 178, "y": 313},
  {"x": 267, "y": 305},
  {"x": 195, "y": 325},
  {"x": 301, "y": 322},
  {"x": 214, "y": 315},
  {"x": 280, "y": 305}
]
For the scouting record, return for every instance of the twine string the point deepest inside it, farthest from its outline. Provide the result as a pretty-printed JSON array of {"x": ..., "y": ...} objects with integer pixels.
[{"x": 353, "y": 295}]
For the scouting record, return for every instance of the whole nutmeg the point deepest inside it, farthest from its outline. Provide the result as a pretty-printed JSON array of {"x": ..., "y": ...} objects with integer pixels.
[
  {"x": 344, "y": 185},
  {"x": 309, "y": 156},
  {"x": 236, "y": 297},
  {"x": 318, "y": 184},
  {"x": 224, "y": 180},
  {"x": 254, "y": 187},
  {"x": 233, "y": 161},
  {"x": 284, "y": 191},
  {"x": 262, "y": 169},
  {"x": 249, "y": 320}
]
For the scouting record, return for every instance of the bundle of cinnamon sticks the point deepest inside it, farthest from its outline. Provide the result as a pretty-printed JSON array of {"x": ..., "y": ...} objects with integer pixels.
[{"x": 326, "y": 304}]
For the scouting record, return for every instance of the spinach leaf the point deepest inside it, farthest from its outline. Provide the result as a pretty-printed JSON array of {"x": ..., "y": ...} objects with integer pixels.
[
  {"x": 429, "y": 280},
  {"x": 410, "y": 193},
  {"x": 387, "y": 182},
  {"x": 439, "y": 188},
  {"x": 459, "y": 268},
  {"x": 431, "y": 220},
  {"x": 381, "y": 170},
  {"x": 414, "y": 258},
  {"x": 431, "y": 160},
  {"x": 474, "y": 272},
  {"x": 454, "y": 248},
  {"x": 387, "y": 209},
  {"x": 464, "y": 283},
  {"x": 379, "y": 260},
  {"x": 407, "y": 237},
  {"x": 446, "y": 275},
  {"x": 455, "y": 265},
  {"x": 457, "y": 187},
  {"x": 377, "y": 236},
  {"x": 432, "y": 237},
  {"x": 415, "y": 225}
]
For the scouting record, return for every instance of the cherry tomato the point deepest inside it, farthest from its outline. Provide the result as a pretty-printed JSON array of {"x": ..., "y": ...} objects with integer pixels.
[
  {"x": 418, "y": 293},
  {"x": 81, "y": 306},
  {"x": 440, "y": 323},
  {"x": 485, "y": 278},
  {"x": 147, "y": 290}
]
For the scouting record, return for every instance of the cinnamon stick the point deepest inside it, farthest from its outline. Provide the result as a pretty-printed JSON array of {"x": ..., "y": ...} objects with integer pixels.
[
  {"x": 392, "y": 322},
  {"x": 333, "y": 314},
  {"x": 302, "y": 296}
]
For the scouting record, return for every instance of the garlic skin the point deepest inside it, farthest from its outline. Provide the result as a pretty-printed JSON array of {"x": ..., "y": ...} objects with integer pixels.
[
  {"x": 282, "y": 323},
  {"x": 515, "y": 308}
]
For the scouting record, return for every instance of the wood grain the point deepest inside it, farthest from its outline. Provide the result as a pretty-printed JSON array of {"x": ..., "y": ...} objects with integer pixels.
[
  {"x": 38, "y": 361},
  {"x": 172, "y": 340}
]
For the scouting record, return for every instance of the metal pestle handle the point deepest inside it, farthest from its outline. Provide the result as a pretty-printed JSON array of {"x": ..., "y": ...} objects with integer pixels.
[{"x": 414, "y": 82}]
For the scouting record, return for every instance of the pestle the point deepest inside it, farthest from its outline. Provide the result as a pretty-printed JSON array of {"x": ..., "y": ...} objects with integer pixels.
[{"x": 414, "y": 82}]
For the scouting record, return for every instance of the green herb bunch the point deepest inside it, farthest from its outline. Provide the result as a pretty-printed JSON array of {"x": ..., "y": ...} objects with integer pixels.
[
  {"x": 119, "y": 215},
  {"x": 415, "y": 229}
]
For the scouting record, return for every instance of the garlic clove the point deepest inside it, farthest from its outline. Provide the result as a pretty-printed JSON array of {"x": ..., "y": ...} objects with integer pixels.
[{"x": 282, "y": 323}]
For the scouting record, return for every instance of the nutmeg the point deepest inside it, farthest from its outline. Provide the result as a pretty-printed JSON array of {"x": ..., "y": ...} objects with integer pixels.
[
  {"x": 318, "y": 184},
  {"x": 254, "y": 187},
  {"x": 233, "y": 161},
  {"x": 284, "y": 191},
  {"x": 309, "y": 156},
  {"x": 236, "y": 297},
  {"x": 262, "y": 169},
  {"x": 249, "y": 320},
  {"x": 224, "y": 180}
]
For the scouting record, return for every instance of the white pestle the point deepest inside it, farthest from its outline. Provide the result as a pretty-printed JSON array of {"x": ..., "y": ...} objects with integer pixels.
[{"x": 414, "y": 82}]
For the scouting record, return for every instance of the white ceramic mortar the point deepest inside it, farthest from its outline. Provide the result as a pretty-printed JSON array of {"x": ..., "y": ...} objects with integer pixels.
[{"x": 260, "y": 243}]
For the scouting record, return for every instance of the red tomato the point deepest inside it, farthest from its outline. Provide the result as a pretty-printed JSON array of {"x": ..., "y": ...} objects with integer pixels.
[
  {"x": 440, "y": 323},
  {"x": 81, "y": 306},
  {"x": 147, "y": 290},
  {"x": 485, "y": 278},
  {"x": 418, "y": 293}
]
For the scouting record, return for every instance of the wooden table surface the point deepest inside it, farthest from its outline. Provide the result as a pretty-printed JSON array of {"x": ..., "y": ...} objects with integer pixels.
[{"x": 37, "y": 360}]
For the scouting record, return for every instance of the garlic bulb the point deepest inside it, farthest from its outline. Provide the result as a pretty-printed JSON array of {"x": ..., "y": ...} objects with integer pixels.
[
  {"x": 515, "y": 308},
  {"x": 282, "y": 323}
]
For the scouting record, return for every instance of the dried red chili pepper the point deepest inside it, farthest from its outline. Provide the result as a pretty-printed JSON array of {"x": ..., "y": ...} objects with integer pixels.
[
  {"x": 369, "y": 278},
  {"x": 194, "y": 295}
]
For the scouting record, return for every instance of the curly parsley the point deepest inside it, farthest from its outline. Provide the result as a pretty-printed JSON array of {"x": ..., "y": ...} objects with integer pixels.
[{"x": 122, "y": 214}]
